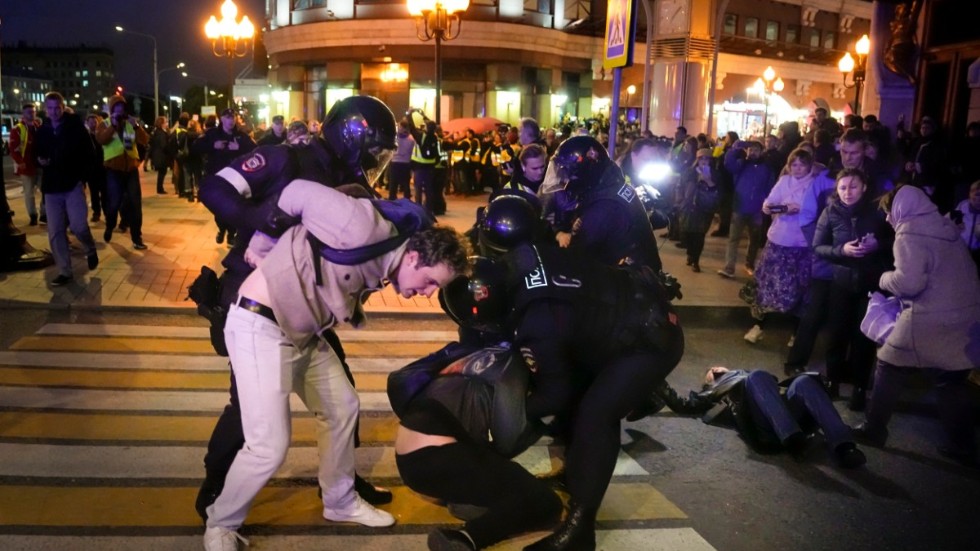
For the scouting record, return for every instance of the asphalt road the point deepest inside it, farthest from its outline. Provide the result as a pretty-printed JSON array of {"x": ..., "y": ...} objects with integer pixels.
[{"x": 907, "y": 497}]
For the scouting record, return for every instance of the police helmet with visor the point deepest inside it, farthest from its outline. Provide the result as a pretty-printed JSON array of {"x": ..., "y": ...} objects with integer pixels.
[
  {"x": 580, "y": 162},
  {"x": 479, "y": 300},
  {"x": 508, "y": 221},
  {"x": 360, "y": 130}
]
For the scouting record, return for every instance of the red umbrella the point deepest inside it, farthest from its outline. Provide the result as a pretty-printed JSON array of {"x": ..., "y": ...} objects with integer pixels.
[{"x": 476, "y": 124}]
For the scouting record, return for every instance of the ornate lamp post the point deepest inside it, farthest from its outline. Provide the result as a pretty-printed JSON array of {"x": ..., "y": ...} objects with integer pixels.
[
  {"x": 156, "y": 74},
  {"x": 438, "y": 19},
  {"x": 230, "y": 38},
  {"x": 858, "y": 69},
  {"x": 767, "y": 85}
]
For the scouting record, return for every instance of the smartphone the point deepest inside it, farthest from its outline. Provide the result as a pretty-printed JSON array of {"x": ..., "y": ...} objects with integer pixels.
[{"x": 778, "y": 209}]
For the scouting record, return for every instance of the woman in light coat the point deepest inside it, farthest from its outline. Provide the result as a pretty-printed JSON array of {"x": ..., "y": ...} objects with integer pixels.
[{"x": 939, "y": 329}]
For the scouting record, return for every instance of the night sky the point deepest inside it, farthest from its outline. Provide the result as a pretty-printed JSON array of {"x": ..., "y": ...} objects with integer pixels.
[{"x": 178, "y": 26}]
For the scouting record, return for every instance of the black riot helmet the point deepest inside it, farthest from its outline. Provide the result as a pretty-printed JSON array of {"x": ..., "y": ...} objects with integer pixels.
[
  {"x": 580, "y": 162},
  {"x": 360, "y": 130},
  {"x": 478, "y": 301},
  {"x": 508, "y": 221}
]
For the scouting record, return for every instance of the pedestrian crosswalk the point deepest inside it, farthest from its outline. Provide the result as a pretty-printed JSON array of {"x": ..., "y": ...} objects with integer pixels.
[{"x": 103, "y": 430}]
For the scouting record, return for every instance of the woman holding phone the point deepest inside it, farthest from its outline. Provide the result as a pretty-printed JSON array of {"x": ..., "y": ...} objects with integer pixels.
[
  {"x": 783, "y": 271},
  {"x": 853, "y": 236}
]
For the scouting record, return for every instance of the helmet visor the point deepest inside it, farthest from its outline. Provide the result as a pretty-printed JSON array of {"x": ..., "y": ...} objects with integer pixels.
[{"x": 374, "y": 162}]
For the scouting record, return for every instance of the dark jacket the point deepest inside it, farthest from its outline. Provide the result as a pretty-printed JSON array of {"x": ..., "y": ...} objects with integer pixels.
[
  {"x": 840, "y": 224},
  {"x": 753, "y": 182},
  {"x": 216, "y": 159},
  {"x": 698, "y": 204},
  {"x": 158, "y": 149},
  {"x": 483, "y": 404},
  {"x": 69, "y": 152},
  {"x": 725, "y": 403},
  {"x": 613, "y": 223}
]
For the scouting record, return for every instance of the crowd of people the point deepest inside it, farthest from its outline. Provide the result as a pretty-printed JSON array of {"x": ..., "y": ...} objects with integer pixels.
[{"x": 564, "y": 313}]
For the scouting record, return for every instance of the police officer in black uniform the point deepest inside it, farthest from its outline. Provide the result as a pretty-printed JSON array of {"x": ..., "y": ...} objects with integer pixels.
[
  {"x": 610, "y": 223},
  {"x": 597, "y": 340},
  {"x": 354, "y": 143}
]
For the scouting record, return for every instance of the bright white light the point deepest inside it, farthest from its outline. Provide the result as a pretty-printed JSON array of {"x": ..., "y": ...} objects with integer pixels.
[{"x": 655, "y": 172}]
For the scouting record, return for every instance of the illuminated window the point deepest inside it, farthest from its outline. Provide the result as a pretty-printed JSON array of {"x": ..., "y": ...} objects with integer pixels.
[
  {"x": 751, "y": 27},
  {"x": 772, "y": 30},
  {"x": 731, "y": 21}
]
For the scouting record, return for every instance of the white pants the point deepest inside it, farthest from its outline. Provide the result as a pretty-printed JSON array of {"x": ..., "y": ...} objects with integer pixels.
[{"x": 267, "y": 367}]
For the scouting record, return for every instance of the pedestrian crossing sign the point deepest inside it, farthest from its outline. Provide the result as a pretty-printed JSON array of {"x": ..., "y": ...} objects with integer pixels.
[{"x": 620, "y": 33}]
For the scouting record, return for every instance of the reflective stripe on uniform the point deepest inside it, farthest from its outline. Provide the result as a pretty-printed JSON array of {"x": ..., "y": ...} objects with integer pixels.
[{"x": 237, "y": 181}]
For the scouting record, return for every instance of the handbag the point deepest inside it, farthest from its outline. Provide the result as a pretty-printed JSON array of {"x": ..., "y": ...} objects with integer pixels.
[{"x": 879, "y": 320}]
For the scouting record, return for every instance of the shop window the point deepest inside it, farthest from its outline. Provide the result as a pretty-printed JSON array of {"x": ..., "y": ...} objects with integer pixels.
[{"x": 306, "y": 4}]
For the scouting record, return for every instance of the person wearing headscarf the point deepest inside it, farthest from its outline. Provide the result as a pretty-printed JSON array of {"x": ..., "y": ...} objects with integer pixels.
[{"x": 938, "y": 331}]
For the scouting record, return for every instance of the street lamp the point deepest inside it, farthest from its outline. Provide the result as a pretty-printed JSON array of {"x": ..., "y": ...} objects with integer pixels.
[
  {"x": 438, "y": 19},
  {"x": 177, "y": 67},
  {"x": 229, "y": 38},
  {"x": 185, "y": 74},
  {"x": 156, "y": 75},
  {"x": 857, "y": 69},
  {"x": 767, "y": 85}
]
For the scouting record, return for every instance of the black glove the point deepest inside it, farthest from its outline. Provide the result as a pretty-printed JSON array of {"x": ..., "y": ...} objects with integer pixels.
[
  {"x": 205, "y": 290},
  {"x": 274, "y": 220}
]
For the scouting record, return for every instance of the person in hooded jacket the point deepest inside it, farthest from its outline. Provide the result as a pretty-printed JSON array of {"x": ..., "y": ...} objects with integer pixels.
[
  {"x": 938, "y": 331},
  {"x": 852, "y": 235}
]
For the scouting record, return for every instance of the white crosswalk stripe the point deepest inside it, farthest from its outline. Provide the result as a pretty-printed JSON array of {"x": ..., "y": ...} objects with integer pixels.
[{"x": 99, "y": 463}]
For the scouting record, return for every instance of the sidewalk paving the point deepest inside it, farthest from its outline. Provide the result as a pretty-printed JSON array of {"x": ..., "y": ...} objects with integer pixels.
[{"x": 181, "y": 238}]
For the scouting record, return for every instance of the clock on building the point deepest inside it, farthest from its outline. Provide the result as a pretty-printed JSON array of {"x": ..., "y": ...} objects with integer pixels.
[{"x": 673, "y": 16}]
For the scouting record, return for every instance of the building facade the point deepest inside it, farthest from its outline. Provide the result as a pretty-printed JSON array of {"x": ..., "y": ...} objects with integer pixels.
[
  {"x": 542, "y": 58},
  {"x": 84, "y": 75}
]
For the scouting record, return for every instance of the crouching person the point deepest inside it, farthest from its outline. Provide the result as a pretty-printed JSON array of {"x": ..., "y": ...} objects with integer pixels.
[{"x": 462, "y": 417}]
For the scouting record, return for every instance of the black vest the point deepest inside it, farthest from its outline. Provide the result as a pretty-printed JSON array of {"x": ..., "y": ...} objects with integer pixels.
[{"x": 615, "y": 307}]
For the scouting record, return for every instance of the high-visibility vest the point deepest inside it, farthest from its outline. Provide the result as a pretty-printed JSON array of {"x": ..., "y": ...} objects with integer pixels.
[
  {"x": 117, "y": 146},
  {"x": 417, "y": 152},
  {"x": 22, "y": 130}
]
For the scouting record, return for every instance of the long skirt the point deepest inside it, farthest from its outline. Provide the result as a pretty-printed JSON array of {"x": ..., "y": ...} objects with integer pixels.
[{"x": 783, "y": 275}]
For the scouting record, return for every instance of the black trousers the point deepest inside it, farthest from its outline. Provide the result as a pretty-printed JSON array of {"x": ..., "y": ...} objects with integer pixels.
[
  {"x": 467, "y": 474},
  {"x": 850, "y": 355},
  {"x": 617, "y": 388},
  {"x": 161, "y": 177},
  {"x": 695, "y": 245},
  {"x": 814, "y": 314}
]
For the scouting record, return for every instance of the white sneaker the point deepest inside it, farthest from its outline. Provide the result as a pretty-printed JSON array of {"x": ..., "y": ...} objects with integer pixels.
[
  {"x": 218, "y": 538},
  {"x": 360, "y": 512},
  {"x": 754, "y": 335}
]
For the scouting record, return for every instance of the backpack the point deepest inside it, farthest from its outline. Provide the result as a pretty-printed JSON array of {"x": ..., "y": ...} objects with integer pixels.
[{"x": 408, "y": 218}]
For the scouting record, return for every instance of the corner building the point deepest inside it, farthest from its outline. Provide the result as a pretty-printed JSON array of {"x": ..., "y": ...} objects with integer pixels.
[{"x": 543, "y": 58}]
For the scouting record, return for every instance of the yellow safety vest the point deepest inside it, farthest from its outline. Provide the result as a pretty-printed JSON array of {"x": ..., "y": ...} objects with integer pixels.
[
  {"x": 22, "y": 130},
  {"x": 417, "y": 153},
  {"x": 116, "y": 147}
]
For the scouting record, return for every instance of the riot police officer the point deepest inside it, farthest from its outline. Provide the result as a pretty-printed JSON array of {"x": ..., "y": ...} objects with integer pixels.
[
  {"x": 353, "y": 145},
  {"x": 611, "y": 224},
  {"x": 597, "y": 340}
]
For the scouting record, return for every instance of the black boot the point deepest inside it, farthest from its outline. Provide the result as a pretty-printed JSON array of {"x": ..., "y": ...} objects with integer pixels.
[
  {"x": 375, "y": 495},
  {"x": 576, "y": 532},
  {"x": 210, "y": 489}
]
